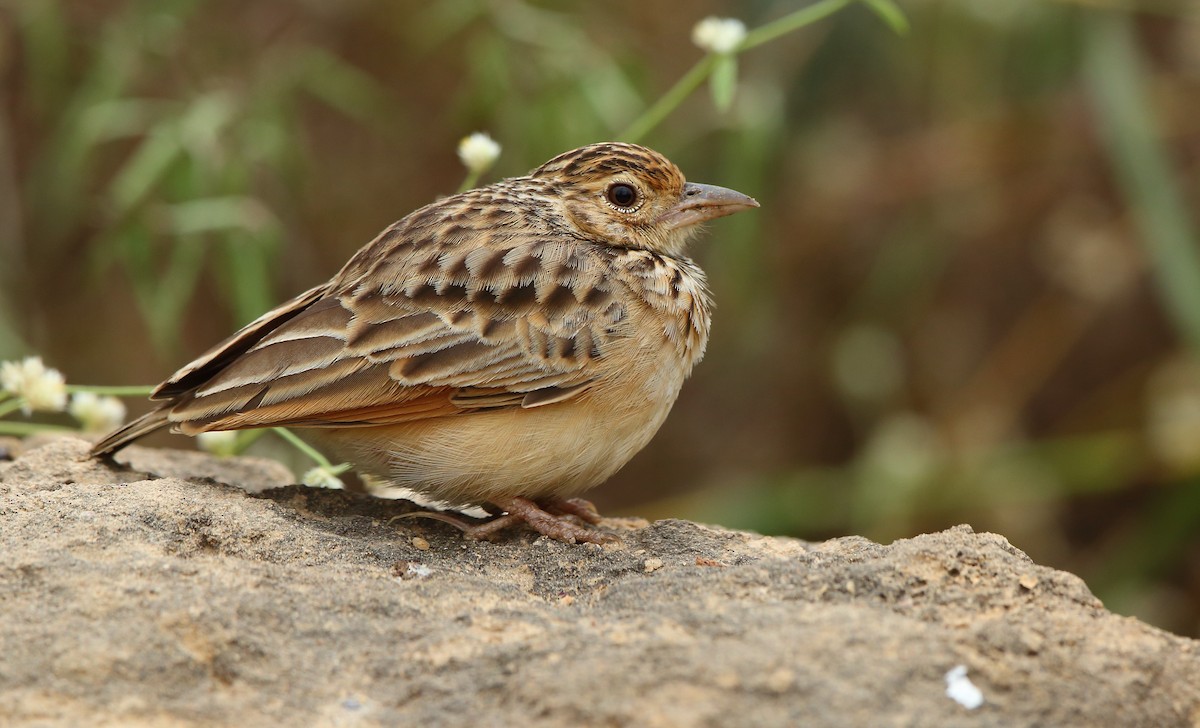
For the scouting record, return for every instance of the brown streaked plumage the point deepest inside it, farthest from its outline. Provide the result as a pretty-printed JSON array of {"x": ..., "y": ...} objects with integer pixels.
[{"x": 510, "y": 346}]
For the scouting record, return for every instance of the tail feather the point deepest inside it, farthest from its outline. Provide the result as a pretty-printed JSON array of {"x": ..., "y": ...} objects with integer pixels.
[{"x": 143, "y": 425}]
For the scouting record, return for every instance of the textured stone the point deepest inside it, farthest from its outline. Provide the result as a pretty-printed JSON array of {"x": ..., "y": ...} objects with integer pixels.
[{"x": 166, "y": 595}]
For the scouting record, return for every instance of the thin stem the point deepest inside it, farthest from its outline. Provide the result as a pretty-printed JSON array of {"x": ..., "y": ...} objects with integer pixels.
[
  {"x": 304, "y": 447},
  {"x": 691, "y": 80},
  {"x": 791, "y": 21},
  {"x": 338, "y": 469},
  {"x": 471, "y": 180},
  {"x": 245, "y": 439},
  {"x": 11, "y": 406},
  {"x": 130, "y": 391},
  {"x": 30, "y": 428},
  {"x": 683, "y": 88},
  {"x": 1118, "y": 80}
]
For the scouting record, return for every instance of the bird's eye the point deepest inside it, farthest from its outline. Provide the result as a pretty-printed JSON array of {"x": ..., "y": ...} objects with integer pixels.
[{"x": 622, "y": 195}]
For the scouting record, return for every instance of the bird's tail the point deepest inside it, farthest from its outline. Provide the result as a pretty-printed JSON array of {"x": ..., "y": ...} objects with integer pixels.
[{"x": 118, "y": 439}]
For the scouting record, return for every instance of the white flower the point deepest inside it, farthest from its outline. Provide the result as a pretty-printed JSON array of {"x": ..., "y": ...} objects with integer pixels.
[
  {"x": 12, "y": 376},
  {"x": 221, "y": 443},
  {"x": 478, "y": 152},
  {"x": 322, "y": 477},
  {"x": 96, "y": 413},
  {"x": 719, "y": 35},
  {"x": 29, "y": 379}
]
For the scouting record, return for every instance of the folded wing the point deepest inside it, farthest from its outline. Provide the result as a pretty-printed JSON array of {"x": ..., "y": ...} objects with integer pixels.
[{"x": 522, "y": 327}]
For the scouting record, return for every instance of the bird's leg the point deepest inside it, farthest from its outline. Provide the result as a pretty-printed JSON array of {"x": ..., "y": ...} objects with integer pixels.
[
  {"x": 578, "y": 507},
  {"x": 548, "y": 524},
  {"x": 549, "y": 519}
]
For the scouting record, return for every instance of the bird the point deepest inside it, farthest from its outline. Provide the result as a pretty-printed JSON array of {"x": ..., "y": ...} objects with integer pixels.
[{"x": 508, "y": 347}]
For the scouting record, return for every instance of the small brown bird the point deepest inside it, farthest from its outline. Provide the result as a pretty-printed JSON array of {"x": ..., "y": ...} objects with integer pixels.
[{"x": 510, "y": 346}]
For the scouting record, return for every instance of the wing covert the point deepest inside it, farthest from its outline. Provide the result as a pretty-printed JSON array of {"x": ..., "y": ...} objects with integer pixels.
[{"x": 513, "y": 327}]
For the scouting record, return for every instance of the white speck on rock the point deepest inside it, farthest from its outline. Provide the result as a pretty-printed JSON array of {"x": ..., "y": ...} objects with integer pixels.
[
  {"x": 961, "y": 690},
  {"x": 413, "y": 570}
]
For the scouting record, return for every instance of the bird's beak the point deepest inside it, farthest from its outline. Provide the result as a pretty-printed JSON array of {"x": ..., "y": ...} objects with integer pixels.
[{"x": 704, "y": 202}]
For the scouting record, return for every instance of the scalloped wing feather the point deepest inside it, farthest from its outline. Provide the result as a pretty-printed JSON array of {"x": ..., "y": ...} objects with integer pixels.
[{"x": 510, "y": 327}]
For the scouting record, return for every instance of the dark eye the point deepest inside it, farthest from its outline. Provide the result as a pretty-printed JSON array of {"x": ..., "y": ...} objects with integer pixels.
[{"x": 622, "y": 195}]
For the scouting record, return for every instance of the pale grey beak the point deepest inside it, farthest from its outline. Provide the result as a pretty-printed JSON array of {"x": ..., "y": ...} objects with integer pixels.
[{"x": 705, "y": 202}]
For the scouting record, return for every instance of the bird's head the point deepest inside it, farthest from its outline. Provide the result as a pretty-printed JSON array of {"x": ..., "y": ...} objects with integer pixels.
[{"x": 630, "y": 196}]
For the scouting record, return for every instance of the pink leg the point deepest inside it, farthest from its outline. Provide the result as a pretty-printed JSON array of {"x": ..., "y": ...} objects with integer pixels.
[
  {"x": 578, "y": 507},
  {"x": 554, "y": 521},
  {"x": 555, "y": 526}
]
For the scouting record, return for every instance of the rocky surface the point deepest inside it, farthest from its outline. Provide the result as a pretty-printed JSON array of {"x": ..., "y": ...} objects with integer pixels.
[{"x": 167, "y": 595}]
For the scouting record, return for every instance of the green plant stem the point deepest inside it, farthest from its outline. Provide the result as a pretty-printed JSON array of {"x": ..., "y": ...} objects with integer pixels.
[
  {"x": 698, "y": 73},
  {"x": 245, "y": 439},
  {"x": 890, "y": 13},
  {"x": 22, "y": 429},
  {"x": 130, "y": 391},
  {"x": 470, "y": 181},
  {"x": 792, "y": 21},
  {"x": 11, "y": 406},
  {"x": 683, "y": 88},
  {"x": 310, "y": 451},
  {"x": 1117, "y": 79}
]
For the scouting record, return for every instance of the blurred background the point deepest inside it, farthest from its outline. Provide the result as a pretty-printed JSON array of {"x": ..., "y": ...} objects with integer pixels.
[{"x": 972, "y": 294}]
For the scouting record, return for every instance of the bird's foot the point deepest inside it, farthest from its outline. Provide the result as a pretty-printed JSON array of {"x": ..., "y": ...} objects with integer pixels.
[
  {"x": 582, "y": 509},
  {"x": 551, "y": 518}
]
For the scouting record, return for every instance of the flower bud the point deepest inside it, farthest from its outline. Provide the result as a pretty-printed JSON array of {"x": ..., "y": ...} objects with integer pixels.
[
  {"x": 40, "y": 387},
  {"x": 478, "y": 152},
  {"x": 96, "y": 413},
  {"x": 719, "y": 35},
  {"x": 322, "y": 477}
]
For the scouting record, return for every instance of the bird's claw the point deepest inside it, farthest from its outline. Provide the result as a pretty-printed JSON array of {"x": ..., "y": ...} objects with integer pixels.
[{"x": 551, "y": 519}]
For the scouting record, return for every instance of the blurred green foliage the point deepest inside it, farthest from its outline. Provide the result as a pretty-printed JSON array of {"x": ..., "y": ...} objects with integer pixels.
[
  {"x": 972, "y": 293},
  {"x": 159, "y": 171}
]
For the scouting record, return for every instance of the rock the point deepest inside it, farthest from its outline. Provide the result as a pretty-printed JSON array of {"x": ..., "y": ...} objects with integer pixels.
[{"x": 181, "y": 599}]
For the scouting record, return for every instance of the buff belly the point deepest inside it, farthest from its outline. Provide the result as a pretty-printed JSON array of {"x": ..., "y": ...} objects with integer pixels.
[{"x": 557, "y": 450}]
